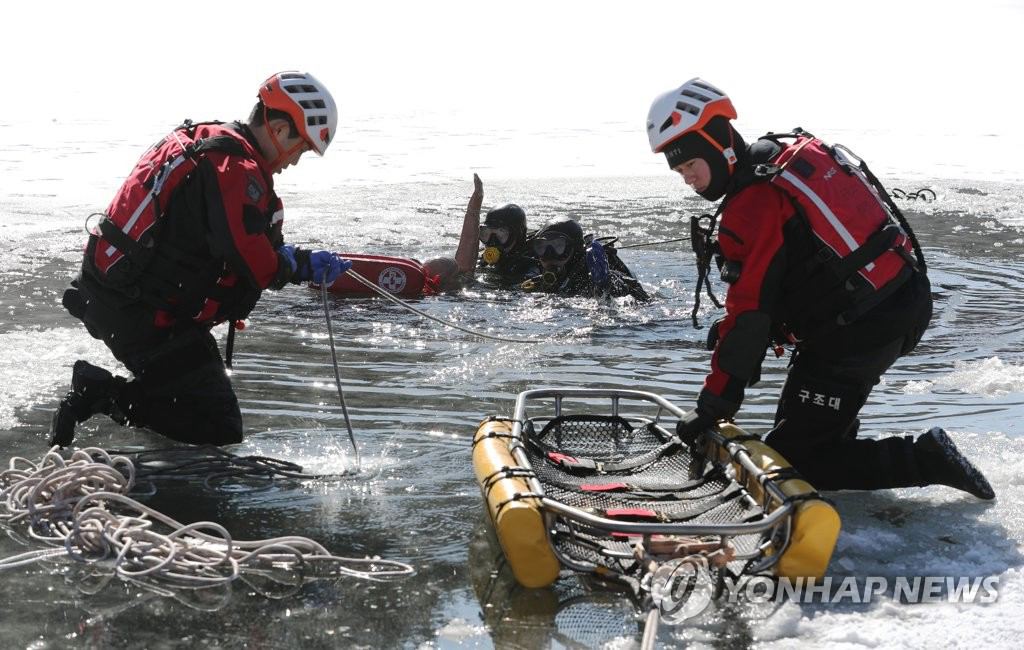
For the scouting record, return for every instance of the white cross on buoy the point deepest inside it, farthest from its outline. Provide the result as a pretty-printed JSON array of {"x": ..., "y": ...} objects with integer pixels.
[{"x": 392, "y": 279}]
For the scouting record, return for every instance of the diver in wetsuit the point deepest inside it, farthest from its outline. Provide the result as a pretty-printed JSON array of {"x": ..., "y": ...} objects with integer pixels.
[
  {"x": 507, "y": 260},
  {"x": 576, "y": 265}
]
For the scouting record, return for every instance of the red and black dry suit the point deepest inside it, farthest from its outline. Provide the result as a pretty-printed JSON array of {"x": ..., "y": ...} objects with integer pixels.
[
  {"x": 191, "y": 241},
  {"x": 775, "y": 264}
]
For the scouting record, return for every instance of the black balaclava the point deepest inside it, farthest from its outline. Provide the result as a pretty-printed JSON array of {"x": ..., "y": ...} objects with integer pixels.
[
  {"x": 509, "y": 216},
  {"x": 695, "y": 145}
]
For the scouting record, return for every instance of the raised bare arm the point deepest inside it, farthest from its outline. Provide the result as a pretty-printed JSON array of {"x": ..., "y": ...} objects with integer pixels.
[{"x": 469, "y": 245}]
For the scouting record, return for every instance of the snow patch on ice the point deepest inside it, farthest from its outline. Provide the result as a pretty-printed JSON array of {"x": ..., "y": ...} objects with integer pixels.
[
  {"x": 460, "y": 630},
  {"x": 868, "y": 540},
  {"x": 991, "y": 378},
  {"x": 890, "y": 624}
]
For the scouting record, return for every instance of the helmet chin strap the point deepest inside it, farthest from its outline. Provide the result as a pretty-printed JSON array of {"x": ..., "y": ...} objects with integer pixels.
[
  {"x": 728, "y": 153},
  {"x": 282, "y": 154}
]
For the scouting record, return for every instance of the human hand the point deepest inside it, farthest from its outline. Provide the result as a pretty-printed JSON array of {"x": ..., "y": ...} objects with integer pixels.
[
  {"x": 325, "y": 266},
  {"x": 320, "y": 266},
  {"x": 287, "y": 254},
  {"x": 478, "y": 187},
  {"x": 694, "y": 423}
]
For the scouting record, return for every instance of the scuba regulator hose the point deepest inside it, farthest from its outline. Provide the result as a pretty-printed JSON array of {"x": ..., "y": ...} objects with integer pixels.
[{"x": 546, "y": 281}]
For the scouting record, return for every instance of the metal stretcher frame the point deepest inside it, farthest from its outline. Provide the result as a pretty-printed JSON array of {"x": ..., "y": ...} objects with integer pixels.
[{"x": 778, "y": 520}]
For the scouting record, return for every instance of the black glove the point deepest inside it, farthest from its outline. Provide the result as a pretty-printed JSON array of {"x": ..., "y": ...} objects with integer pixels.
[{"x": 693, "y": 424}]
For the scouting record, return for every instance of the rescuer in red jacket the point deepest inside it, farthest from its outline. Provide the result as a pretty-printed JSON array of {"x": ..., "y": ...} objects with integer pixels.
[
  {"x": 816, "y": 256},
  {"x": 192, "y": 239}
]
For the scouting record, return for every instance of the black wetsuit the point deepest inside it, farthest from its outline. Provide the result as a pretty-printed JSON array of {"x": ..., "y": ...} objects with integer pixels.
[
  {"x": 511, "y": 270},
  {"x": 578, "y": 282}
]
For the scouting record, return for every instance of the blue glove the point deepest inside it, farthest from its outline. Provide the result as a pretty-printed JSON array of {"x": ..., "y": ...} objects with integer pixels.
[
  {"x": 597, "y": 264},
  {"x": 319, "y": 266},
  {"x": 327, "y": 266}
]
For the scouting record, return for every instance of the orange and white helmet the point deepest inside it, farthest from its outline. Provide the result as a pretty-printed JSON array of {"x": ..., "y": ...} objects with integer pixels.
[
  {"x": 684, "y": 110},
  {"x": 307, "y": 102}
]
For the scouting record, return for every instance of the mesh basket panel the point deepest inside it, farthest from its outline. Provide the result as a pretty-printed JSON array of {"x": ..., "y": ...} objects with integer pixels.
[
  {"x": 590, "y": 623},
  {"x": 672, "y": 469},
  {"x": 607, "y": 439},
  {"x": 601, "y": 438}
]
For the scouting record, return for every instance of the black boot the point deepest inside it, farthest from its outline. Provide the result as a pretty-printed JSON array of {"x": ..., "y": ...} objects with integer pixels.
[
  {"x": 92, "y": 389},
  {"x": 941, "y": 463}
]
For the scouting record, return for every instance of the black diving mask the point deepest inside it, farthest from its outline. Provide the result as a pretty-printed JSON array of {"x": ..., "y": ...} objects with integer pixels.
[
  {"x": 495, "y": 235},
  {"x": 551, "y": 246}
]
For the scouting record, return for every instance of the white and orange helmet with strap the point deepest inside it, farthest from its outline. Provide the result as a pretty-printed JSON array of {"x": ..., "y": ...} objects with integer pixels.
[
  {"x": 307, "y": 102},
  {"x": 687, "y": 109}
]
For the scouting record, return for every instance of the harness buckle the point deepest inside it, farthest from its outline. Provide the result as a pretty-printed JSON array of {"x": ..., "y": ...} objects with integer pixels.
[{"x": 825, "y": 255}]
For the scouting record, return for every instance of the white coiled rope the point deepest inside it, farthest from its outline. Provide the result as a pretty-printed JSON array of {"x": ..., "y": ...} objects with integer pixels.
[{"x": 81, "y": 504}]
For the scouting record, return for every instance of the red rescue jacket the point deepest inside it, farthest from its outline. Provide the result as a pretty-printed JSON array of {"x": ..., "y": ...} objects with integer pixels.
[
  {"x": 810, "y": 247},
  {"x": 192, "y": 233}
]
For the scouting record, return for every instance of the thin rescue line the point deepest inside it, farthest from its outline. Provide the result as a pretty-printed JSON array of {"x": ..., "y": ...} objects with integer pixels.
[
  {"x": 337, "y": 374},
  {"x": 395, "y": 299}
]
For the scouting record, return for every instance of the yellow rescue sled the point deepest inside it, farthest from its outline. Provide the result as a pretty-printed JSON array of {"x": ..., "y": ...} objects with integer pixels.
[{"x": 595, "y": 481}]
